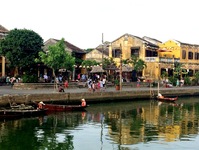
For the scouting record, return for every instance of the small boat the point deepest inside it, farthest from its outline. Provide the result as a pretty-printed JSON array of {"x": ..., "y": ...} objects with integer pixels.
[
  {"x": 59, "y": 107},
  {"x": 172, "y": 99},
  {"x": 20, "y": 113}
]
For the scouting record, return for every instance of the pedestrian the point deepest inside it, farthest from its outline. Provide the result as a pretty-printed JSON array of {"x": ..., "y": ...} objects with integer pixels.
[
  {"x": 93, "y": 86},
  {"x": 104, "y": 82},
  {"x": 66, "y": 84},
  {"x": 61, "y": 89},
  {"x": 89, "y": 84},
  {"x": 177, "y": 83},
  {"x": 138, "y": 83},
  {"x": 46, "y": 78},
  {"x": 101, "y": 85}
]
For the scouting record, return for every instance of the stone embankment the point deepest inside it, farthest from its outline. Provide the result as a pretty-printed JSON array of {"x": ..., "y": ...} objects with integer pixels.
[{"x": 74, "y": 95}]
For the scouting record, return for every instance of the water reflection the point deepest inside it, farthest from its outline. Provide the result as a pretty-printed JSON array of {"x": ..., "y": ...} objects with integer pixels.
[{"x": 127, "y": 125}]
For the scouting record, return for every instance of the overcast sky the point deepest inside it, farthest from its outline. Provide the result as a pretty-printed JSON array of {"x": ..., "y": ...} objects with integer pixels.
[{"x": 82, "y": 22}]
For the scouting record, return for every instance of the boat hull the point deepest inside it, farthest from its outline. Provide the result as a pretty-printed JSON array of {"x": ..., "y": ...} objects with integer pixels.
[
  {"x": 170, "y": 99},
  {"x": 15, "y": 113},
  {"x": 56, "y": 107}
]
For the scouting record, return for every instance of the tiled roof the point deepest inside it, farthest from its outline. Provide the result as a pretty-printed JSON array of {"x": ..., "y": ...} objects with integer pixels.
[
  {"x": 147, "y": 42},
  {"x": 3, "y": 29},
  {"x": 73, "y": 47},
  {"x": 104, "y": 51},
  {"x": 188, "y": 44}
]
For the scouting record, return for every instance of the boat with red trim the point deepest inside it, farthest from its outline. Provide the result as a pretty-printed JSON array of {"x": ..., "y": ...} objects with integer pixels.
[{"x": 60, "y": 107}]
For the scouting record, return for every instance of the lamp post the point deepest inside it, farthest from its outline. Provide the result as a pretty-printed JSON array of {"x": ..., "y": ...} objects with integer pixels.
[
  {"x": 121, "y": 68},
  {"x": 102, "y": 48}
]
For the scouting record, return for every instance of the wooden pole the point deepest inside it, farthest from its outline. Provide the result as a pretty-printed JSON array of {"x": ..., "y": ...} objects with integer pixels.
[{"x": 121, "y": 68}]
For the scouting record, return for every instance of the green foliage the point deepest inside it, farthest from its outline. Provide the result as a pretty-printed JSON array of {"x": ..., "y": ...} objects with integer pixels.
[
  {"x": 89, "y": 63},
  {"x": 21, "y": 47},
  {"x": 78, "y": 61},
  {"x": 195, "y": 80},
  {"x": 164, "y": 74},
  {"x": 187, "y": 80},
  {"x": 117, "y": 82},
  {"x": 138, "y": 64},
  {"x": 89, "y": 50},
  {"x": 56, "y": 57},
  {"x": 173, "y": 80},
  {"x": 178, "y": 70},
  {"x": 107, "y": 62},
  {"x": 27, "y": 78}
]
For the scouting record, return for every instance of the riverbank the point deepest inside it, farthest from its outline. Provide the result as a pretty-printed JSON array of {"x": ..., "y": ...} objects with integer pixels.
[{"x": 73, "y": 95}]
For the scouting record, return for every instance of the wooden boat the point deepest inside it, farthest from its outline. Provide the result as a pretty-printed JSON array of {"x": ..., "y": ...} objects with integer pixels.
[
  {"x": 58, "y": 107},
  {"x": 20, "y": 113},
  {"x": 172, "y": 99}
]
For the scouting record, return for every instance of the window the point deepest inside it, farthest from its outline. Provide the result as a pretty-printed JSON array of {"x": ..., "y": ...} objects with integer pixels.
[
  {"x": 190, "y": 55},
  {"x": 150, "y": 53},
  {"x": 190, "y": 73},
  {"x": 116, "y": 53},
  {"x": 196, "y": 55},
  {"x": 183, "y": 54},
  {"x": 135, "y": 51}
]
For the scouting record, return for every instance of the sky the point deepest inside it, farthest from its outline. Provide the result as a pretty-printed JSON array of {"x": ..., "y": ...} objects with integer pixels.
[{"x": 82, "y": 22}]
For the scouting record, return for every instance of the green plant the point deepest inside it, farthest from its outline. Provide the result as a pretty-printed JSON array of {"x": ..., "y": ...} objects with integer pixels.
[
  {"x": 29, "y": 78},
  {"x": 187, "y": 80},
  {"x": 117, "y": 82}
]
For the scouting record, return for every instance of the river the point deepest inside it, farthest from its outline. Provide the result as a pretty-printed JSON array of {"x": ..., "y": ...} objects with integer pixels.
[{"x": 132, "y": 125}]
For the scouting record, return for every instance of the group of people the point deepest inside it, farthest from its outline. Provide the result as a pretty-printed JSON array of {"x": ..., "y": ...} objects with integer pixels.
[{"x": 96, "y": 85}]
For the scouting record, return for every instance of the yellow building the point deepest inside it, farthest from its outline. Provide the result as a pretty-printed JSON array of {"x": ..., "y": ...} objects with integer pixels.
[
  {"x": 175, "y": 51},
  {"x": 144, "y": 48},
  {"x": 159, "y": 57}
]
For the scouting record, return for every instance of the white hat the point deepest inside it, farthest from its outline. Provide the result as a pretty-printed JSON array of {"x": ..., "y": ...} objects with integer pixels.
[
  {"x": 83, "y": 99},
  {"x": 42, "y": 103}
]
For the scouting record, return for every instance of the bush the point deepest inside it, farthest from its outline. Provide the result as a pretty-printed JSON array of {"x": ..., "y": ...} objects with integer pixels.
[
  {"x": 187, "y": 80},
  {"x": 29, "y": 78}
]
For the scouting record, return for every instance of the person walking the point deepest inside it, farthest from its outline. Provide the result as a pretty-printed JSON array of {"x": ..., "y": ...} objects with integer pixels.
[{"x": 138, "y": 83}]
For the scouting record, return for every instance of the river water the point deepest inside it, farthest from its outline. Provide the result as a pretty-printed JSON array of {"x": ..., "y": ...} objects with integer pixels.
[{"x": 136, "y": 125}]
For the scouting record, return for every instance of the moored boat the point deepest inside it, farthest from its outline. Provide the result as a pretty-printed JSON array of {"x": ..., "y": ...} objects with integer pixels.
[
  {"x": 58, "y": 107},
  {"x": 20, "y": 113},
  {"x": 172, "y": 99}
]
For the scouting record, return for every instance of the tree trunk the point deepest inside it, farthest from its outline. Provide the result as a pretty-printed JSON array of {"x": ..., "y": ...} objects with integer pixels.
[{"x": 55, "y": 81}]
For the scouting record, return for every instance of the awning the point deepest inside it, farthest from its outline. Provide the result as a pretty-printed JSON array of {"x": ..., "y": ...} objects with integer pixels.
[
  {"x": 164, "y": 50},
  {"x": 125, "y": 68},
  {"x": 97, "y": 69}
]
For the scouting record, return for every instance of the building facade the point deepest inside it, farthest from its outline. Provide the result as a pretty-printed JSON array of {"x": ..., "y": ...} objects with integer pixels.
[
  {"x": 129, "y": 45},
  {"x": 184, "y": 53},
  {"x": 3, "y": 33},
  {"x": 77, "y": 52}
]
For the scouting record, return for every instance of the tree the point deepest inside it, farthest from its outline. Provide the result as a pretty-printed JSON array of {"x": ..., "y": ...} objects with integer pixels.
[
  {"x": 56, "y": 57},
  {"x": 179, "y": 71},
  {"x": 88, "y": 63},
  {"x": 108, "y": 62},
  {"x": 138, "y": 64},
  {"x": 21, "y": 47}
]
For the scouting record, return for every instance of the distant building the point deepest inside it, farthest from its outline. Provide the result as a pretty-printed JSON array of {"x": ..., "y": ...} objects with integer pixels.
[
  {"x": 99, "y": 53},
  {"x": 77, "y": 52},
  {"x": 129, "y": 45},
  {"x": 175, "y": 51},
  {"x": 3, "y": 33}
]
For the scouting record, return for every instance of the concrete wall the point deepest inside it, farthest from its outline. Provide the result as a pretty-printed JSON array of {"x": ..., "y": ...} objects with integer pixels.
[{"x": 96, "y": 97}]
